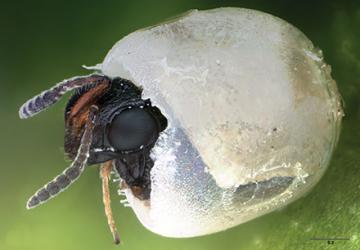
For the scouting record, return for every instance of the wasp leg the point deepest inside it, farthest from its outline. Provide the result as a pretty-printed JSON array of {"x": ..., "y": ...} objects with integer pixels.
[
  {"x": 105, "y": 172},
  {"x": 72, "y": 173},
  {"x": 51, "y": 96}
]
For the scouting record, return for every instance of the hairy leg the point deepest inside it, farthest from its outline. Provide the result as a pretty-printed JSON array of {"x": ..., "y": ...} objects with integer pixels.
[{"x": 105, "y": 172}]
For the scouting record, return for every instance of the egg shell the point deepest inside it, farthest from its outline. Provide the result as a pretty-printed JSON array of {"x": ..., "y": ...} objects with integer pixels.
[{"x": 253, "y": 114}]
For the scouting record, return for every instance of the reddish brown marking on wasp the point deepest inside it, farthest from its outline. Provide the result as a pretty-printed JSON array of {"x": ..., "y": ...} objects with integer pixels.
[{"x": 87, "y": 99}]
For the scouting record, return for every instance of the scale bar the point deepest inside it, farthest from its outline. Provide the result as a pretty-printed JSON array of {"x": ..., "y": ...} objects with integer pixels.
[{"x": 330, "y": 239}]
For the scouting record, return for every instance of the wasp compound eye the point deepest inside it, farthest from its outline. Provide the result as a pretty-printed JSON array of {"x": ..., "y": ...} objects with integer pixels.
[{"x": 132, "y": 129}]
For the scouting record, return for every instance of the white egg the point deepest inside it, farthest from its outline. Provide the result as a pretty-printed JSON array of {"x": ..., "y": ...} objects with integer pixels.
[{"x": 253, "y": 114}]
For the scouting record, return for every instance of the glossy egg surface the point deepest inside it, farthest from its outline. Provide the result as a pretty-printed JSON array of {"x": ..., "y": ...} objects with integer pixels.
[{"x": 253, "y": 114}]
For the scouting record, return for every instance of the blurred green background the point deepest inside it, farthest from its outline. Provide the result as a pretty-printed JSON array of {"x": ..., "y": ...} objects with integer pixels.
[{"x": 42, "y": 42}]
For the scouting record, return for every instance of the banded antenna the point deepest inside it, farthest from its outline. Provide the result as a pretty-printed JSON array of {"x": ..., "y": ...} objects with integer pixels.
[
  {"x": 72, "y": 173},
  {"x": 51, "y": 96}
]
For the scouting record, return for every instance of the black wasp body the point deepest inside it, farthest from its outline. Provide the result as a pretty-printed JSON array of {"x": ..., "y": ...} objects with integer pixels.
[
  {"x": 125, "y": 131},
  {"x": 106, "y": 122}
]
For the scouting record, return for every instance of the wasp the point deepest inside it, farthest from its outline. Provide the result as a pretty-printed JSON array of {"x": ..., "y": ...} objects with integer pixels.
[{"x": 108, "y": 123}]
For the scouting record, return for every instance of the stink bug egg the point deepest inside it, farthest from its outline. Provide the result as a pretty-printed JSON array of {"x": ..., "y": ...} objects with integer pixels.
[{"x": 253, "y": 117}]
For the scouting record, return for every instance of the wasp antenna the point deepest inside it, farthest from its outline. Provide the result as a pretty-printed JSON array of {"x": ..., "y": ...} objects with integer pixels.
[
  {"x": 70, "y": 174},
  {"x": 105, "y": 172},
  {"x": 51, "y": 96}
]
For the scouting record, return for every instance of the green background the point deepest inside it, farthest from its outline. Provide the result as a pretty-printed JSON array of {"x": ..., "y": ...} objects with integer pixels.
[{"x": 42, "y": 42}]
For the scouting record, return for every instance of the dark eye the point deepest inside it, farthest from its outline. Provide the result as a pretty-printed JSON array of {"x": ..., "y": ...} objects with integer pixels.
[{"x": 131, "y": 129}]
